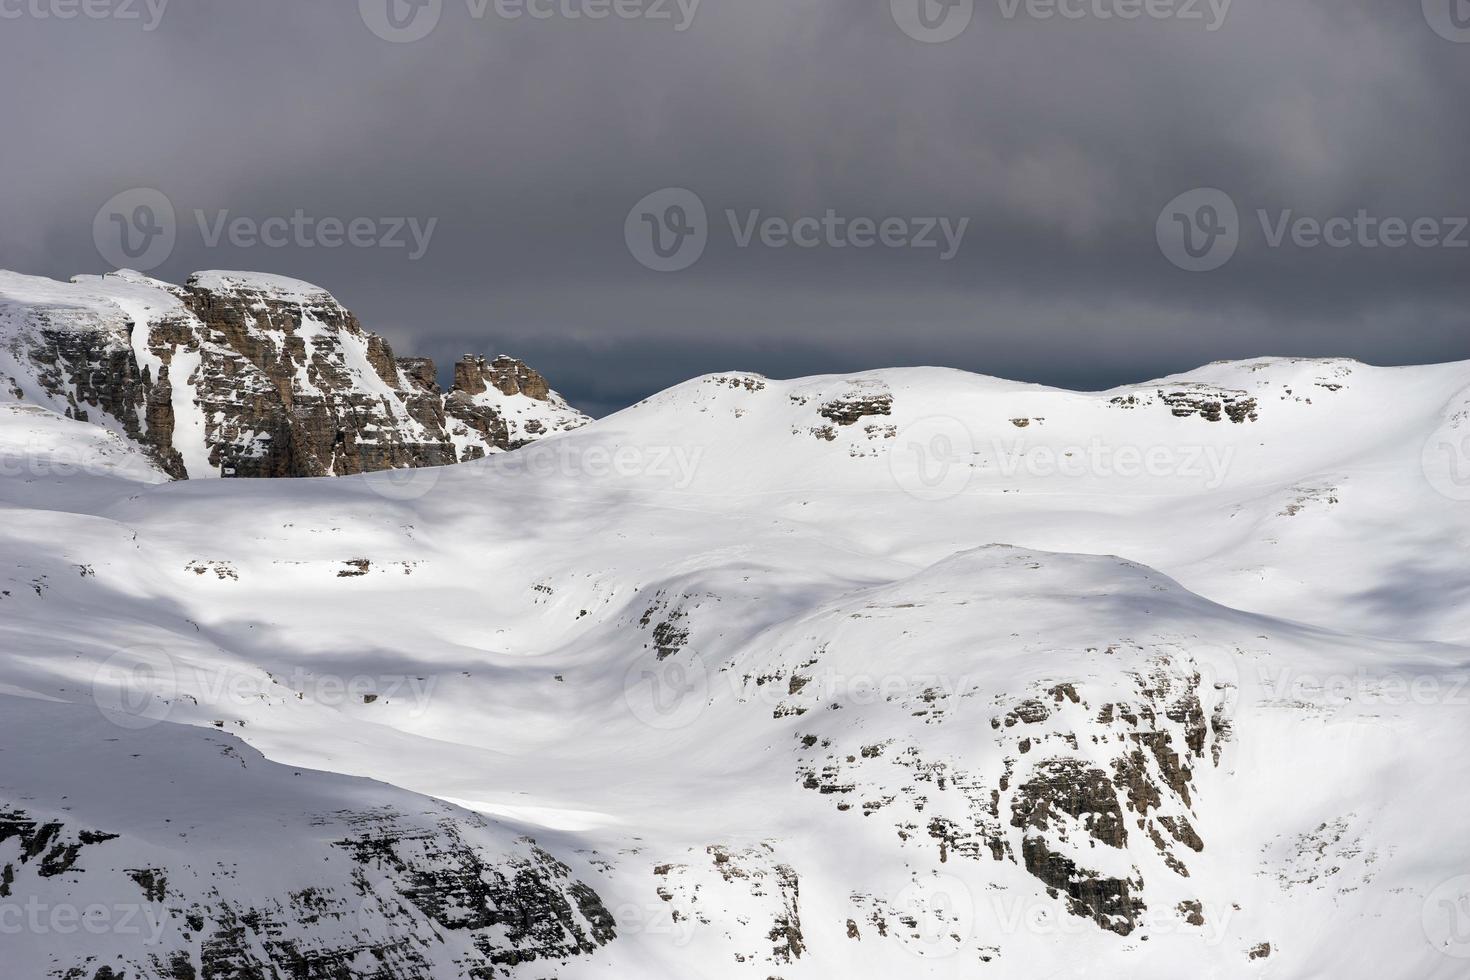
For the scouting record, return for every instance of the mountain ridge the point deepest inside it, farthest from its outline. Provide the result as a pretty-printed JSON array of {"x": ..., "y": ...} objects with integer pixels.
[
  {"x": 902, "y": 673},
  {"x": 250, "y": 374}
]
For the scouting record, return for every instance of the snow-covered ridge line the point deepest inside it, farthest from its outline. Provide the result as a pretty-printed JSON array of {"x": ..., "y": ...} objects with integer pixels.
[
  {"x": 251, "y": 374},
  {"x": 831, "y": 681}
]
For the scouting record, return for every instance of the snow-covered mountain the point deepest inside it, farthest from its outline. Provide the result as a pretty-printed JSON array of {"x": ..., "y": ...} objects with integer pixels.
[
  {"x": 907, "y": 673},
  {"x": 248, "y": 374}
]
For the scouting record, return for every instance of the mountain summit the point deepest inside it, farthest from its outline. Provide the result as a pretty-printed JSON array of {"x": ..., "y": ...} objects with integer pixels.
[{"x": 248, "y": 374}]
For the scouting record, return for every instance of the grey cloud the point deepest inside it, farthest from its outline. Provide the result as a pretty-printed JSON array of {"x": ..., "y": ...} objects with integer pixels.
[{"x": 530, "y": 140}]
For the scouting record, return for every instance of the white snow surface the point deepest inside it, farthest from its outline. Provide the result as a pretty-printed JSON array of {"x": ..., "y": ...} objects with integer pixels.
[
  {"x": 275, "y": 287},
  {"x": 720, "y": 642}
]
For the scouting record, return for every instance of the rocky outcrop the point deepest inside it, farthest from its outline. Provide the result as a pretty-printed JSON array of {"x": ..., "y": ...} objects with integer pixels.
[
  {"x": 250, "y": 375},
  {"x": 494, "y": 406},
  {"x": 1046, "y": 801},
  {"x": 1191, "y": 400},
  {"x": 213, "y": 863}
]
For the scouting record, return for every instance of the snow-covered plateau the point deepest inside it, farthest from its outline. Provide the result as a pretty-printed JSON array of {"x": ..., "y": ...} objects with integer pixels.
[{"x": 912, "y": 673}]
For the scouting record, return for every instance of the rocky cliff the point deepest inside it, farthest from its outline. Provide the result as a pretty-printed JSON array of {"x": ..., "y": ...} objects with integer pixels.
[{"x": 252, "y": 375}]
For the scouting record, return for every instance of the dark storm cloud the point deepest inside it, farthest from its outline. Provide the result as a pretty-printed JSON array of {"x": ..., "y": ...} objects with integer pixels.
[{"x": 530, "y": 139}]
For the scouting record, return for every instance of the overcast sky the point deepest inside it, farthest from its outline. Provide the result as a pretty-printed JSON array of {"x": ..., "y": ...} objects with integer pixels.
[{"x": 531, "y": 140}]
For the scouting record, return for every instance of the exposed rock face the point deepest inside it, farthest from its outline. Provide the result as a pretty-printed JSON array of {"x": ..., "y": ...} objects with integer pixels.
[
  {"x": 1198, "y": 400},
  {"x": 389, "y": 895},
  {"x": 257, "y": 376},
  {"x": 1090, "y": 784},
  {"x": 752, "y": 878},
  {"x": 299, "y": 875},
  {"x": 488, "y": 407},
  {"x": 474, "y": 375}
]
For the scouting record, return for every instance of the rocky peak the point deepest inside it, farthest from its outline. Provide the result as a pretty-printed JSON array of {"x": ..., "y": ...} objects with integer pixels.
[
  {"x": 421, "y": 371},
  {"x": 475, "y": 375},
  {"x": 503, "y": 404},
  {"x": 248, "y": 374}
]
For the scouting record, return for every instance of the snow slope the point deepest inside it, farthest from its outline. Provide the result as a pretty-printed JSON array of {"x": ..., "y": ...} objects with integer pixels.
[{"x": 908, "y": 673}]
